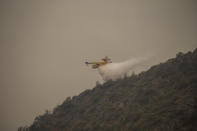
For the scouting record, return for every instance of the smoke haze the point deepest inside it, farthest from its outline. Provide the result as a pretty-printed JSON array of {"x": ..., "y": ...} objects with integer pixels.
[{"x": 44, "y": 43}]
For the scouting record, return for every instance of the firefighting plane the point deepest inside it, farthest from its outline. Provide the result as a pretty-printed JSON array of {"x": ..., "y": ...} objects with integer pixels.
[{"x": 95, "y": 65}]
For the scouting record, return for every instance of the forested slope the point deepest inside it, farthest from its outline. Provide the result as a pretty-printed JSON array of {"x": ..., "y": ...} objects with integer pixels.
[{"x": 164, "y": 98}]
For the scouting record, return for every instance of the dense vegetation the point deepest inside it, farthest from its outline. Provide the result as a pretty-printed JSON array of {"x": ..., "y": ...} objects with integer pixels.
[{"x": 164, "y": 98}]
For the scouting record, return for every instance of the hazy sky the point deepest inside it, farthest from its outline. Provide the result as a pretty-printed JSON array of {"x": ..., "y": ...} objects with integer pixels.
[{"x": 44, "y": 44}]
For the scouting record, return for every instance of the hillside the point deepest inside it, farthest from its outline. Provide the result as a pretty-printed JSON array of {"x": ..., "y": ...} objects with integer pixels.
[{"x": 164, "y": 98}]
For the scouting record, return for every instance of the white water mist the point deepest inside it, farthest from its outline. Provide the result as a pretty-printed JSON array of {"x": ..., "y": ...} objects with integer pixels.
[{"x": 113, "y": 71}]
